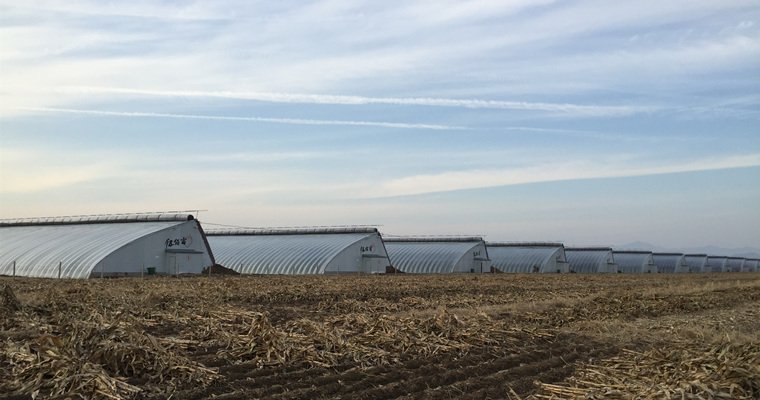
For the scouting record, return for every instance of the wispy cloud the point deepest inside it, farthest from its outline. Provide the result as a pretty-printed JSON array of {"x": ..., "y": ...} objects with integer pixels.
[
  {"x": 547, "y": 172},
  {"x": 301, "y": 98},
  {"x": 190, "y": 11},
  {"x": 269, "y": 157},
  {"x": 516, "y": 91},
  {"x": 248, "y": 119},
  {"x": 606, "y": 136}
]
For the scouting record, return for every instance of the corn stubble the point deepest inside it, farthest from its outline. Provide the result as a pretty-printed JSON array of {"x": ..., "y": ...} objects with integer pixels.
[
  {"x": 94, "y": 358},
  {"x": 725, "y": 371},
  {"x": 142, "y": 338},
  {"x": 92, "y": 348}
]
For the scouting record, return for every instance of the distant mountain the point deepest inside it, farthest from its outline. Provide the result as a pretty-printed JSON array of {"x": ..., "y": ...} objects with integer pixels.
[
  {"x": 747, "y": 252},
  {"x": 641, "y": 246}
]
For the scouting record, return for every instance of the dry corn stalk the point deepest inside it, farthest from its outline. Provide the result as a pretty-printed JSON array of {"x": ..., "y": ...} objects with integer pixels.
[
  {"x": 726, "y": 371},
  {"x": 363, "y": 338},
  {"x": 94, "y": 360}
]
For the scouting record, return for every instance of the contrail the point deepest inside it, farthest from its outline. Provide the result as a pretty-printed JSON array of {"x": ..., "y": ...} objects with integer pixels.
[
  {"x": 596, "y": 135},
  {"x": 250, "y": 119},
  {"x": 548, "y": 172},
  {"x": 586, "y": 110}
]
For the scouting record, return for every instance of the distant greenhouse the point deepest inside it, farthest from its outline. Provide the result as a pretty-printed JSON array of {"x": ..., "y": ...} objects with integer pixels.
[
  {"x": 591, "y": 260},
  {"x": 103, "y": 245},
  {"x": 634, "y": 262},
  {"x": 717, "y": 263},
  {"x": 438, "y": 255},
  {"x": 297, "y": 251},
  {"x": 751, "y": 264},
  {"x": 528, "y": 257},
  {"x": 670, "y": 263},
  {"x": 697, "y": 263},
  {"x": 735, "y": 264}
]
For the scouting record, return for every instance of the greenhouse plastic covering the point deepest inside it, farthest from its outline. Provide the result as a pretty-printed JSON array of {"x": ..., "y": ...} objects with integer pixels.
[
  {"x": 280, "y": 253},
  {"x": 523, "y": 258},
  {"x": 428, "y": 255}
]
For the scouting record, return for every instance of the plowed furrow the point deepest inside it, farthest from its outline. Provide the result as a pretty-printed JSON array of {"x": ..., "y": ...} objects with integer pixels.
[{"x": 440, "y": 375}]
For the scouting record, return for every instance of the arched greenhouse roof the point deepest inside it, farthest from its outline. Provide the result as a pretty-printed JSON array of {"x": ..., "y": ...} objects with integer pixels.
[
  {"x": 696, "y": 262},
  {"x": 524, "y": 257},
  {"x": 735, "y": 264},
  {"x": 633, "y": 262},
  {"x": 283, "y": 251},
  {"x": 430, "y": 255},
  {"x": 717, "y": 263},
  {"x": 37, "y": 245},
  {"x": 589, "y": 260},
  {"x": 670, "y": 263}
]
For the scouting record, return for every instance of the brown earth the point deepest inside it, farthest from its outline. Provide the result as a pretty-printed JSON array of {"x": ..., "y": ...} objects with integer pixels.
[
  {"x": 217, "y": 269},
  {"x": 382, "y": 337}
]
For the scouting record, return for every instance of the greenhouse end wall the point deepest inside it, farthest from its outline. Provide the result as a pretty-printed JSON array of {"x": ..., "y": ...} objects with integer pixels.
[{"x": 179, "y": 249}]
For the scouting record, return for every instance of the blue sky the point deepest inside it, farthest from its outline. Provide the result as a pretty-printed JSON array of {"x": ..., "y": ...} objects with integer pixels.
[{"x": 588, "y": 122}]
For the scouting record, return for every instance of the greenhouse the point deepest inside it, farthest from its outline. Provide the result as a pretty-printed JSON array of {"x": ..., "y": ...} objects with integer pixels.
[
  {"x": 735, "y": 264},
  {"x": 528, "y": 257},
  {"x": 103, "y": 246},
  {"x": 634, "y": 262},
  {"x": 298, "y": 251},
  {"x": 438, "y": 255},
  {"x": 670, "y": 263},
  {"x": 717, "y": 264},
  {"x": 591, "y": 260},
  {"x": 697, "y": 263},
  {"x": 751, "y": 265}
]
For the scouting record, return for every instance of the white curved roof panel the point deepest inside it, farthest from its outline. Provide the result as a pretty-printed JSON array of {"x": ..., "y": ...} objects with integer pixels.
[
  {"x": 292, "y": 252},
  {"x": 590, "y": 260},
  {"x": 525, "y": 257},
  {"x": 431, "y": 255},
  {"x": 697, "y": 263},
  {"x": 735, "y": 264},
  {"x": 670, "y": 263},
  {"x": 717, "y": 263},
  {"x": 36, "y": 246},
  {"x": 634, "y": 262}
]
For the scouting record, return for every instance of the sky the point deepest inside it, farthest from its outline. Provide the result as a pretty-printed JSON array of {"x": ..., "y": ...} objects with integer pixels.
[{"x": 589, "y": 122}]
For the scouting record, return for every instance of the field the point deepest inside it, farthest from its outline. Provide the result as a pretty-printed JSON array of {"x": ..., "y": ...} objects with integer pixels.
[{"x": 382, "y": 337}]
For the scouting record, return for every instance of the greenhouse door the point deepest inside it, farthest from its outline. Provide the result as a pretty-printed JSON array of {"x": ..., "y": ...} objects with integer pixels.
[
  {"x": 366, "y": 265},
  {"x": 171, "y": 264}
]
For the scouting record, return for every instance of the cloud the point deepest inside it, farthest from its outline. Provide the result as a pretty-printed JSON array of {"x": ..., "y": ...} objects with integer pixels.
[
  {"x": 301, "y": 98},
  {"x": 547, "y": 172},
  {"x": 269, "y": 157},
  {"x": 606, "y": 136},
  {"x": 248, "y": 119},
  {"x": 455, "y": 55},
  {"x": 139, "y": 9}
]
